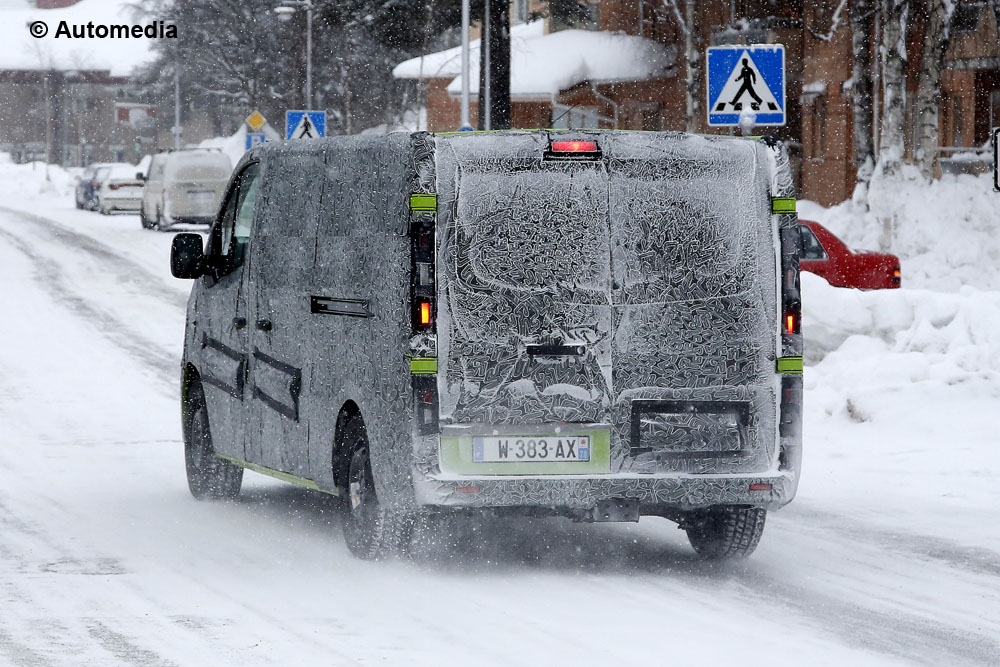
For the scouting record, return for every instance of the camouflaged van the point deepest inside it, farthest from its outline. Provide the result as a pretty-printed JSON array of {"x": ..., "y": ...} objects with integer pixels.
[{"x": 599, "y": 325}]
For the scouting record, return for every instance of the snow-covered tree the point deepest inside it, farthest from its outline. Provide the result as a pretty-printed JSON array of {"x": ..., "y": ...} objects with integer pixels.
[
  {"x": 936, "y": 37},
  {"x": 862, "y": 101}
]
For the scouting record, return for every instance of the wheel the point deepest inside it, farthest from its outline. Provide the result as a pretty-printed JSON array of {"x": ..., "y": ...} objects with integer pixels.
[
  {"x": 209, "y": 477},
  {"x": 726, "y": 532},
  {"x": 158, "y": 223},
  {"x": 144, "y": 221},
  {"x": 371, "y": 530}
]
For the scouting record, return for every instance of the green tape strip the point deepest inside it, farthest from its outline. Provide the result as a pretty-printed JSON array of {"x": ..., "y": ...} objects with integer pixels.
[
  {"x": 277, "y": 474},
  {"x": 782, "y": 204},
  {"x": 423, "y": 202},
  {"x": 790, "y": 364},
  {"x": 423, "y": 365}
]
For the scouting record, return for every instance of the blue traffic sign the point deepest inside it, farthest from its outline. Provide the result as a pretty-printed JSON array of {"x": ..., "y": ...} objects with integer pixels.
[
  {"x": 305, "y": 124},
  {"x": 746, "y": 80},
  {"x": 255, "y": 138}
]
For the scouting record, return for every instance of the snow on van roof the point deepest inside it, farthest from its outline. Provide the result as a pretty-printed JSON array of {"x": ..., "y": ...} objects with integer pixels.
[
  {"x": 24, "y": 52},
  {"x": 542, "y": 65}
]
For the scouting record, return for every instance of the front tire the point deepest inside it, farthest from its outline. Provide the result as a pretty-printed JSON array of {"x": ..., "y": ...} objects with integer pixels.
[
  {"x": 371, "y": 530},
  {"x": 209, "y": 477},
  {"x": 725, "y": 532}
]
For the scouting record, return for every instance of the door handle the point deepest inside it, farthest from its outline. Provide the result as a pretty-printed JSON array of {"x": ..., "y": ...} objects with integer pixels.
[
  {"x": 264, "y": 325},
  {"x": 239, "y": 322}
]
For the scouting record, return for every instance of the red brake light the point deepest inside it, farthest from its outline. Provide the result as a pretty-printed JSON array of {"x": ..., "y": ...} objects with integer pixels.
[
  {"x": 425, "y": 313},
  {"x": 574, "y": 146},
  {"x": 762, "y": 486},
  {"x": 789, "y": 323}
]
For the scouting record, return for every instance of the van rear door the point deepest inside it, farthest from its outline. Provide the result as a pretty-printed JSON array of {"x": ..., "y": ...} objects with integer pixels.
[
  {"x": 525, "y": 331},
  {"x": 636, "y": 289}
]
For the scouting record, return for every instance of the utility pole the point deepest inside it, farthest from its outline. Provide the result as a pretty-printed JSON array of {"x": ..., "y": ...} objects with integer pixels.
[
  {"x": 284, "y": 12},
  {"x": 494, "y": 67},
  {"x": 177, "y": 104}
]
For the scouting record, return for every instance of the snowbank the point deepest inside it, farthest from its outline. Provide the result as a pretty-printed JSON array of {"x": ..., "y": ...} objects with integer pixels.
[
  {"x": 958, "y": 332},
  {"x": 23, "y": 52},
  {"x": 235, "y": 145},
  {"x": 29, "y": 181},
  {"x": 948, "y": 234}
]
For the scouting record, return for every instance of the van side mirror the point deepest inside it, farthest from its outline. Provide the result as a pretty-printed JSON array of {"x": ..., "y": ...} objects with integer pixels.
[
  {"x": 139, "y": 176},
  {"x": 187, "y": 257}
]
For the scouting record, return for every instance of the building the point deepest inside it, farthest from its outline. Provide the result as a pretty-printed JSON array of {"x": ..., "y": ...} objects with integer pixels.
[
  {"x": 639, "y": 80},
  {"x": 72, "y": 101}
]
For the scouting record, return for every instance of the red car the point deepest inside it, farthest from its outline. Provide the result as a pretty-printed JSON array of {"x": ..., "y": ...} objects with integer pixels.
[{"x": 827, "y": 256}]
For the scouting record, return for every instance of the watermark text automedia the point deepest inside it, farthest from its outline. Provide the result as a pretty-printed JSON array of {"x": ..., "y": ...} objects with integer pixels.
[{"x": 90, "y": 30}]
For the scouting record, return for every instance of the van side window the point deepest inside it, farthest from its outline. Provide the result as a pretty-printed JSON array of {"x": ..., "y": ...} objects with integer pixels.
[
  {"x": 811, "y": 247},
  {"x": 231, "y": 236},
  {"x": 244, "y": 214}
]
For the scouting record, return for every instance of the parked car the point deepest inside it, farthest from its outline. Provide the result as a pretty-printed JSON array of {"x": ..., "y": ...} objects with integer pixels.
[
  {"x": 89, "y": 184},
  {"x": 827, "y": 256},
  {"x": 184, "y": 186},
  {"x": 598, "y": 325},
  {"x": 119, "y": 190}
]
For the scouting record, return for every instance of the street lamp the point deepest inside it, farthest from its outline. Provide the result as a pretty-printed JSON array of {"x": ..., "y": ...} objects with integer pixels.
[{"x": 284, "y": 12}]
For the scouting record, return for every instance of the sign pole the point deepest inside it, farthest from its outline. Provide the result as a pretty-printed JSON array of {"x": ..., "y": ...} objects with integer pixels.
[{"x": 465, "y": 63}]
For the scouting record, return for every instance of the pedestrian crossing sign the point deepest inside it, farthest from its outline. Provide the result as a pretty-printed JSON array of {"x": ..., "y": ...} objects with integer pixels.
[
  {"x": 305, "y": 124},
  {"x": 746, "y": 80}
]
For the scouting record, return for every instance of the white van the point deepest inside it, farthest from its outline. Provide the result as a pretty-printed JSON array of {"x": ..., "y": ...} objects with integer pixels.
[
  {"x": 184, "y": 186},
  {"x": 599, "y": 325}
]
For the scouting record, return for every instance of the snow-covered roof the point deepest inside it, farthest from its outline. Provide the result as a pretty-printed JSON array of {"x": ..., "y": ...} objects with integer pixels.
[
  {"x": 544, "y": 64},
  {"x": 21, "y": 51}
]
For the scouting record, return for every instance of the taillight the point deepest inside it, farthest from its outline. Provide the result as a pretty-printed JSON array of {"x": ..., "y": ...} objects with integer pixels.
[
  {"x": 789, "y": 323},
  {"x": 896, "y": 276},
  {"x": 573, "y": 149},
  {"x": 114, "y": 186},
  {"x": 422, "y": 278},
  {"x": 424, "y": 313},
  {"x": 574, "y": 146}
]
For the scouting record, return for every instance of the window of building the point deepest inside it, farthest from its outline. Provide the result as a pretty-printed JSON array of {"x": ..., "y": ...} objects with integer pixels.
[
  {"x": 650, "y": 114},
  {"x": 575, "y": 117},
  {"x": 817, "y": 135}
]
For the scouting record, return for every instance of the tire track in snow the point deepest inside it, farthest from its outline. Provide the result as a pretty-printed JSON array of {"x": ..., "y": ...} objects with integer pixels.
[
  {"x": 976, "y": 560},
  {"x": 51, "y": 278},
  {"x": 125, "y": 269}
]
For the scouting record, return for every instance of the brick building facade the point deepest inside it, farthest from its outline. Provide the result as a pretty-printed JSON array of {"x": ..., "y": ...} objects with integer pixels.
[{"x": 819, "y": 70}]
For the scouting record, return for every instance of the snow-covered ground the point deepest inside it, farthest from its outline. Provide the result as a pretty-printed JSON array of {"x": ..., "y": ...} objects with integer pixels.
[{"x": 889, "y": 556}]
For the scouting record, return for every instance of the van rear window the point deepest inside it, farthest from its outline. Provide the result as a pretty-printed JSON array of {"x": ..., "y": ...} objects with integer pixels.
[{"x": 213, "y": 167}]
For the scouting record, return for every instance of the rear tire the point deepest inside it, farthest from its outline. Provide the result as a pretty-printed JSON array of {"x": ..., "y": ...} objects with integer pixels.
[
  {"x": 144, "y": 221},
  {"x": 371, "y": 530},
  {"x": 725, "y": 532},
  {"x": 104, "y": 210},
  {"x": 209, "y": 477}
]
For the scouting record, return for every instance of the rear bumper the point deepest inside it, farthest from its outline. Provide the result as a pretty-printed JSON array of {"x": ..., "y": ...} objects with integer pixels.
[
  {"x": 654, "y": 494},
  {"x": 122, "y": 203}
]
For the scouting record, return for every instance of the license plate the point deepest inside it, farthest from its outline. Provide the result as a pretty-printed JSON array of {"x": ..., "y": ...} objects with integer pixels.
[
  {"x": 201, "y": 198},
  {"x": 499, "y": 449}
]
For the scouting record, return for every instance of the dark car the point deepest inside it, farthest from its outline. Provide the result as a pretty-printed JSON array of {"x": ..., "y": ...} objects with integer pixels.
[
  {"x": 827, "y": 256},
  {"x": 89, "y": 184}
]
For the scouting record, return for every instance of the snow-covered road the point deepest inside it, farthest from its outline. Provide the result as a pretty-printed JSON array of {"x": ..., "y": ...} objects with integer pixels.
[{"x": 105, "y": 559}]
